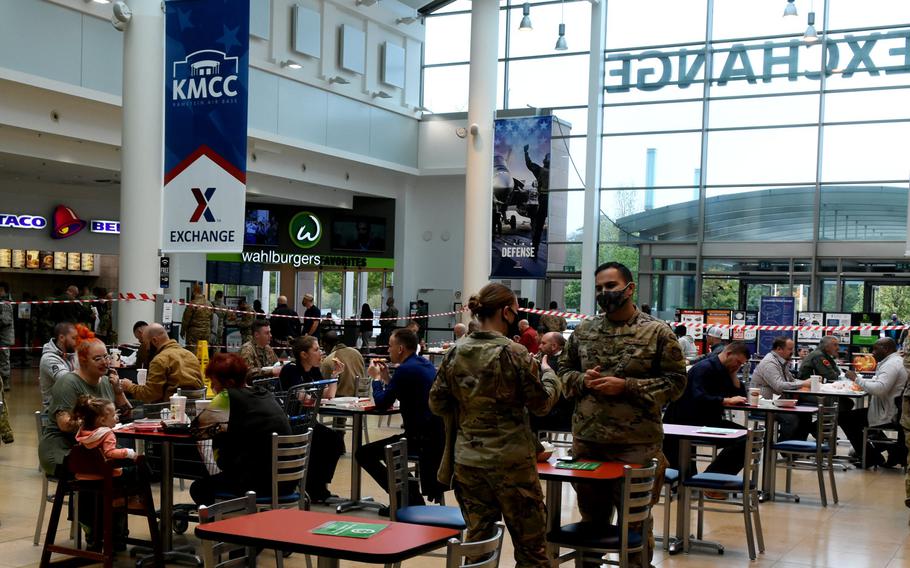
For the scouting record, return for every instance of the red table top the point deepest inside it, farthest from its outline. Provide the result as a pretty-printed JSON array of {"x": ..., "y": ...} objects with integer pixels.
[
  {"x": 793, "y": 409},
  {"x": 692, "y": 433},
  {"x": 607, "y": 470},
  {"x": 289, "y": 529},
  {"x": 130, "y": 432}
]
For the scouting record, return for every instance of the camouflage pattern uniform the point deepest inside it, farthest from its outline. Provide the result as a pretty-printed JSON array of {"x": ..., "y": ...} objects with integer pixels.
[
  {"x": 819, "y": 363},
  {"x": 197, "y": 322},
  {"x": 483, "y": 391},
  {"x": 243, "y": 322},
  {"x": 553, "y": 323},
  {"x": 625, "y": 427},
  {"x": 905, "y": 424},
  {"x": 256, "y": 358},
  {"x": 7, "y": 338}
]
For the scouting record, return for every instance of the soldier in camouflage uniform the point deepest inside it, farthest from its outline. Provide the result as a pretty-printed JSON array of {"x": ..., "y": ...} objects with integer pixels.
[
  {"x": 197, "y": 321},
  {"x": 7, "y": 338},
  {"x": 621, "y": 368},
  {"x": 242, "y": 321},
  {"x": 257, "y": 354},
  {"x": 483, "y": 391}
]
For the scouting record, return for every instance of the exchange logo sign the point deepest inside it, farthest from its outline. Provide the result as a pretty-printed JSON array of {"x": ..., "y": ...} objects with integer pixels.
[{"x": 305, "y": 230}]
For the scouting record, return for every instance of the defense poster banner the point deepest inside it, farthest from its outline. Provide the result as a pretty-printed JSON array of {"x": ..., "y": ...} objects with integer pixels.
[
  {"x": 205, "y": 125},
  {"x": 521, "y": 195},
  {"x": 775, "y": 310}
]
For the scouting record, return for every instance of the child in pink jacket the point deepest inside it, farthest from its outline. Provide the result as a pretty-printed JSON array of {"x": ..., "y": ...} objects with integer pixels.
[{"x": 98, "y": 417}]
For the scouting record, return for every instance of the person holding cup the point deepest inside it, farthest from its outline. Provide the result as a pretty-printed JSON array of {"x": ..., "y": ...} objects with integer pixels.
[
  {"x": 712, "y": 384},
  {"x": 172, "y": 368}
]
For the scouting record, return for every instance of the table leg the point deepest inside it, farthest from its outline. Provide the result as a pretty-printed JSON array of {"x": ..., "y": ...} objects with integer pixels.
[
  {"x": 554, "y": 510},
  {"x": 769, "y": 471},
  {"x": 323, "y": 562},
  {"x": 185, "y": 553},
  {"x": 356, "y": 501},
  {"x": 682, "y": 499}
]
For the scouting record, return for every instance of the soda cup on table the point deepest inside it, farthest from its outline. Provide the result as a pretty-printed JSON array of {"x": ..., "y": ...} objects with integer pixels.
[
  {"x": 815, "y": 382},
  {"x": 141, "y": 376},
  {"x": 754, "y": 396},
  {"x": 178, "y": 407}
]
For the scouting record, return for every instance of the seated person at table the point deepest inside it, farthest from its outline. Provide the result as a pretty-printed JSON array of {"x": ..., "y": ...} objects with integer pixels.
[
  {"x": 560, "y": 418},
  {"x": 97, "y": 417},
  {"x": 823, "y": 362},
  {"x": 352, "y": 364},
  {"x": 172, "y": 368},
  {"x": 56, "y": 360},
  {"x": 714, "y": 339},
  {"x": 772, "y": 375},
  {"x": 410, "y": 384},
  {"x": 886, "y": 386},
  {"x": 712, "y": 384},
  {"x": 328, "y": 445},
  {"x": 243, "y": 447},
  {"x": 257, "y": 353},
  {"x": 143, "y": 356}
]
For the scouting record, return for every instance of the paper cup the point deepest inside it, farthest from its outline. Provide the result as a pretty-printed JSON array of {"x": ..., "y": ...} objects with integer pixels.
[
  {"x": 815, "y": 382},
  {"x": 141, "y": 376},
  {"x": 178, "y": 407},
  {"x": 201, "y": 405},
  {"x": 754, "y": 396}
]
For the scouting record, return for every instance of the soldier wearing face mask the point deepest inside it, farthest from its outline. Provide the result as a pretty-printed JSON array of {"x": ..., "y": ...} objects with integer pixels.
[{"x": 621, "y": 368}]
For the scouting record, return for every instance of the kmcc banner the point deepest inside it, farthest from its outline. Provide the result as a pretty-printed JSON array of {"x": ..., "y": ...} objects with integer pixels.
[
  {"x": 205, "y": 123},
  {"x": 521, "y": 196}
]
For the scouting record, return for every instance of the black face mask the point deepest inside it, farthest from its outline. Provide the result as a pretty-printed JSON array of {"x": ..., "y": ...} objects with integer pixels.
[
  {"x": 613, "y": 300},
  {"x": 513, "y": 325}
]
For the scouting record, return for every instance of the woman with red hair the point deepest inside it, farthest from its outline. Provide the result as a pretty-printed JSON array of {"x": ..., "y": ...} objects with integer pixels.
[{"x": 243, "y": 448}]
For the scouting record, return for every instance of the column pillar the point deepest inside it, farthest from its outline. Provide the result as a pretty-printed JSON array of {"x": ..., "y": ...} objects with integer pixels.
[
  {"x": 594, "y": 146},
  {"x": 481, "y": 113},
  {"x": 141, "y": 160}
]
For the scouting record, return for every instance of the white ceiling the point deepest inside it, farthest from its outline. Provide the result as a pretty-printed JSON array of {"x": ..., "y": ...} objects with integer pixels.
[{"x": 24, "y": 168}]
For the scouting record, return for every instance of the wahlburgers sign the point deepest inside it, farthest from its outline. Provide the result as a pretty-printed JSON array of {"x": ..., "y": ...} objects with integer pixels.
[{"x": 305, "y": 230}]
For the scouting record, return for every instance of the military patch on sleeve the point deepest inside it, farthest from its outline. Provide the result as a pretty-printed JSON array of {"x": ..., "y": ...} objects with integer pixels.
[
  {"x": 826, "y": 363},
  {"x": 675, "y": 352}
]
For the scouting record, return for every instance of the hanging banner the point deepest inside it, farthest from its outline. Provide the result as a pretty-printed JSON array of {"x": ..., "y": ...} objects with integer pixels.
[
  {"x": 775, "y": 311},
  {"x": 521, "y": 196},
  {"x": 205, "y": 124}
]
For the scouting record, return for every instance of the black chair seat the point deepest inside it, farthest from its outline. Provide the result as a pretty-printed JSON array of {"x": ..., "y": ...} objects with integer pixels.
[
  {"x": 803, "y": 446},
  {"x": 717, "y": 481},
  {"x": 592, "y": 535},
  {"x": 432, "y": 515}
]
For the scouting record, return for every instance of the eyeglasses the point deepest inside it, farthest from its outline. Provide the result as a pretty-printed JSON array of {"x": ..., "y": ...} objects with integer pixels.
[{"x": 100, "y": 358}]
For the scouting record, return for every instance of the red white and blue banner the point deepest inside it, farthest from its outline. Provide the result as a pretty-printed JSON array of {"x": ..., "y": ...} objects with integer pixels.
[{"x": 205, "y": 125}]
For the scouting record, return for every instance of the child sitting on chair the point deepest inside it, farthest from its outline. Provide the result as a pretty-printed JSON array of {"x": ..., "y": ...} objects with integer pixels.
[{"x": 98, "y": 416}]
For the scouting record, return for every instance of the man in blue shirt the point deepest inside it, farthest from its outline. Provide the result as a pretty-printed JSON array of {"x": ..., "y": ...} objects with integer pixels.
[
  {"x": 410, "y": 384},
  {"x": 712, "y": 384}
]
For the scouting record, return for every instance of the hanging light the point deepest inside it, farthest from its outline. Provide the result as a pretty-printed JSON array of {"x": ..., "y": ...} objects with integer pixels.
[
  {"x": 526, "y": 18},
  {"x": 790, "y": 9},
  {"x": 811, "y": 36},
  {"x": 561, "y": 44}
]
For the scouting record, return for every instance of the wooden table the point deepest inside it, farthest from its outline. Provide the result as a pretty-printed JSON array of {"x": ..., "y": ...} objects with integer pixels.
[
  {"x": 166, "y": 501},
  {"x": 289, "y": 530},
  {"x": 769, "y": 464},
  {"x": 686, "y": 435},
  {"x": 555, "y": 477},
  {"x": 356, "y": 501}
]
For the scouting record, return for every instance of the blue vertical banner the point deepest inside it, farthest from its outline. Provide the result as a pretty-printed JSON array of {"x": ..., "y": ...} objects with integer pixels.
[
  {"x": 205, "y": 125},
  {"x": 775, "y": 311},
  {"x": 521, "y": 195}
]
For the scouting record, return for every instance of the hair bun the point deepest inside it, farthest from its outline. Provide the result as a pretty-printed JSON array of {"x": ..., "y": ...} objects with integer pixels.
[
  {"x": 83, "y": 333},
  {"x": 474, "y": 303}
]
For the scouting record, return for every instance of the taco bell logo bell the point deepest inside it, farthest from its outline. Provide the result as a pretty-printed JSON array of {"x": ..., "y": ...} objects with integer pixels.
[{"x": 205, "y": 75}]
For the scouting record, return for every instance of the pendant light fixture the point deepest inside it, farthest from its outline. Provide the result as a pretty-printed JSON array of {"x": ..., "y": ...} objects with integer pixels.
[
  {"x": 811, "y": 36},
  {"x": 790, "y": 8},
  {"x": 561, "y": 44},
  {"x": 526, "y": 18}
]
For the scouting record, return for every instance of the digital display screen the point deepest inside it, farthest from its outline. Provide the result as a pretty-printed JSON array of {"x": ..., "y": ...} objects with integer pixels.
[
  {"x": 360, "y": 235},
  {"x": 260, "y": 228}
]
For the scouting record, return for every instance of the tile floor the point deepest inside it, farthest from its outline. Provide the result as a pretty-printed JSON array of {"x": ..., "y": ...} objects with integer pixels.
[{"x": 868, "y": 528}]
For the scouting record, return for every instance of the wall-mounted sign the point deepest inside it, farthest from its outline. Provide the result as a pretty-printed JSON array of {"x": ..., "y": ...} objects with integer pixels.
[
  {"x": 164, "y": 272},
  {"x": 104, "y": 227},
  {"x": 22, "y": 221},
  {"x": 305, "y": 230},
  {"x": 66, "y": 222}
]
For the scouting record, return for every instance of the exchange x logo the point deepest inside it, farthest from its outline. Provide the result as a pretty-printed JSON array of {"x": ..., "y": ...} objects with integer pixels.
[{"x": 202, "y": 205}]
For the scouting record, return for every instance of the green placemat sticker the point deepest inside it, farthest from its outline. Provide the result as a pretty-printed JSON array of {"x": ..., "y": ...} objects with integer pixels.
[
  {"x": 586, "y": 466},
  {"x": 348, "y": 529}
]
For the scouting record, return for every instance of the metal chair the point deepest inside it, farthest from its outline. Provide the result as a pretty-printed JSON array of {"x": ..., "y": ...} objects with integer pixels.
[
  {"x": 882, "y": 430},
  {"x": 746, "y": 485},
  {"x": 41, "y": 421},
  {"x": 671, "y": 483},
  {"x": 823, "y": 450},
  {"x": 591, "y": 540},
  {"x": 396, "y": 456},
  {"x": 213, "y": 551},
  {"x": 301, "y": 405},
  {"x": 465, "y": 554}
]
